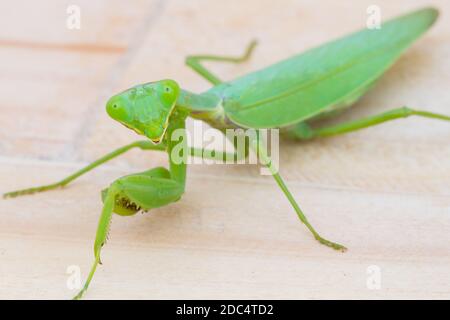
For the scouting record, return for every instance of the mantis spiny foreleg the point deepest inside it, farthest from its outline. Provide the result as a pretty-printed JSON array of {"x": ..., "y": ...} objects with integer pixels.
[{"x": 143, "y": 191}]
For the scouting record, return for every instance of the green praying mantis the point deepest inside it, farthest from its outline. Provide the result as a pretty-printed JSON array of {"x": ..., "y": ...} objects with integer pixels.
[{"x": 289, "y": 95}]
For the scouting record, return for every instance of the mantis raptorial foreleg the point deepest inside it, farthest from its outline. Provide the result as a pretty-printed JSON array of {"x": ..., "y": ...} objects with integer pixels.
[
  {"x": 126, "y": 196},
  {"x": 194, "y": 62},
  {"x": 259, "y": 147},
  {"x": 303, "y": 131},
  {"x": 143, "y": 191}
]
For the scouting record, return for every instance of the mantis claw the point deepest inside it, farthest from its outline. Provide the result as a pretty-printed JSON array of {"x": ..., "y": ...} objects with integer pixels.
[
  {"x": 79, "y": 295},
  {"x": 334, "y": 245},
  {"x": 23, "y": 192},
  {"x": 88, "y": 281}
]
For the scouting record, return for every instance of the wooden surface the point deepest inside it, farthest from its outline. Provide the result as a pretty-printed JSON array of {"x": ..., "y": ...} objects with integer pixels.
[{"x": 384, "y": 192}]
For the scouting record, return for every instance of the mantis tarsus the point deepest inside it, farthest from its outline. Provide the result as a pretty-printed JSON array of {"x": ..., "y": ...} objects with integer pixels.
[{"x": 288, "y": 95}]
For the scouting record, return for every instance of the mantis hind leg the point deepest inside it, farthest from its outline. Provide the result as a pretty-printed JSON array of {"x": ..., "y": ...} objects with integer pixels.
[
  {"x": 128, "y": 195},
  {"x": 195, "y": 62},
  {"x": 144, "y": 145},
  {"x": 303, "y": 131}
]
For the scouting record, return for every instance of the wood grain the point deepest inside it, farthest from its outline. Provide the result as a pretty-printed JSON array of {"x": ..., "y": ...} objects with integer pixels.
[{"x": 384, "y": 192}]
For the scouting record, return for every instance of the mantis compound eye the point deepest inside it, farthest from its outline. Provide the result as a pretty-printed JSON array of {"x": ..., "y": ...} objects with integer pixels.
[{"x": 116, "y": 109}]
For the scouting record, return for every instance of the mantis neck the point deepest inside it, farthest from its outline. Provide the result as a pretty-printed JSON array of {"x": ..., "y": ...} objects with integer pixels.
[
  {"x": 205, "y": 106},
  {"x": 198, "y": 102}
]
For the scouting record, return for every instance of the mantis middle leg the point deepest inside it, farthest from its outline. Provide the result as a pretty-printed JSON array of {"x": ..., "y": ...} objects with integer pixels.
[
  {"x": 258, "y": 146},
  {"x": 195, "y": 62},
  {"x": 143, "y": 145}
]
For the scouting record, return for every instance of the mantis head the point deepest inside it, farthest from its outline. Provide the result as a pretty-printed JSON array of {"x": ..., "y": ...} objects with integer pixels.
[{"x": 145, "y": 108}]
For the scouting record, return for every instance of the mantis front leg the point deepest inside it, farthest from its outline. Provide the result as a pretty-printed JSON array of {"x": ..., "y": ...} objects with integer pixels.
[
  {"x": 130, "y": 194},
  {"x": 143, "y": 191}
]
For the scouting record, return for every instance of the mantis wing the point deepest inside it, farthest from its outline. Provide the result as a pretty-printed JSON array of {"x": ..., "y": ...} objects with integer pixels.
[{"x": 322, "y": 79}]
